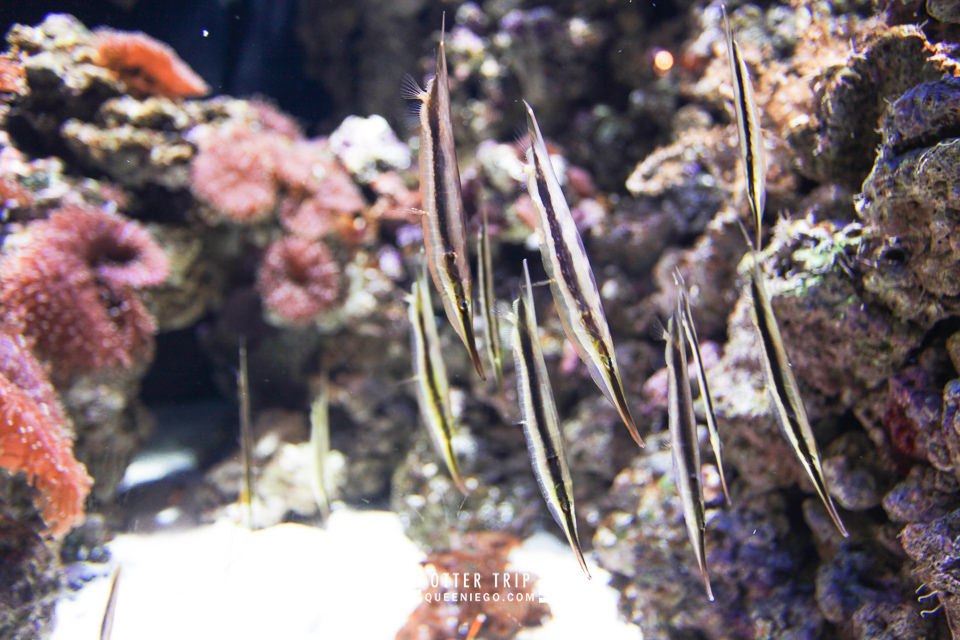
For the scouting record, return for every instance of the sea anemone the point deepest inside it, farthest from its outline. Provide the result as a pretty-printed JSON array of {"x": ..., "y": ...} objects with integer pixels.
[
  {"x": 120, "y": 251},
  {"x": 298, "y": 280},
  {"x": 34, "y": 438},
  {"x": 69, "y": 290},
  {"x": 234, "y": 171}
]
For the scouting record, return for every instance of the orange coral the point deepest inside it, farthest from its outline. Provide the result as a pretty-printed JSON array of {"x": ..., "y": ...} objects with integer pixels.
[
  {"x": 34, "y": 438},
  {"x": 11, "y": 75},
  {"x": 147, "y": 66}
]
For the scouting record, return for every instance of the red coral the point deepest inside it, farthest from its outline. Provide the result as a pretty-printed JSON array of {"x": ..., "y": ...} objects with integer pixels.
[
  {"x": 234, "y": 172},
  {"x": 70, "y": 290},
  {"x": 146, "y": 65},
  {"x": 298, "y": 280},
  {"x": 12, "y": 194},
  {"x": 34, "y": 438},
  {"x": 11, "y": 75}
]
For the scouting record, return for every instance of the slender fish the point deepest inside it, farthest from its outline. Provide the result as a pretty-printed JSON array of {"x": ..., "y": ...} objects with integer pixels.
[
  {"x": 571, "y": 278},
  {"x": 748, "y": 126},
  {"x": 541, "y": 425},
  {"x": 444, "y": 226},
  {"x": 109, "y": 613},
  {"x": 320, "y": 444},
  {"x": 433, "y": 389},
  {"x": 690, "y": 330},
  {"x": 685, "y": 446},
  {"x": 491, "y": 324},
  {"x": 246, "y": 435},
  {"x": 785, "y": 394}
]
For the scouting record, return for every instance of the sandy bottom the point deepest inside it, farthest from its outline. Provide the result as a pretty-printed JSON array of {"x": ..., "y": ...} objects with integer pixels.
[{"x": 358, "y": 578}]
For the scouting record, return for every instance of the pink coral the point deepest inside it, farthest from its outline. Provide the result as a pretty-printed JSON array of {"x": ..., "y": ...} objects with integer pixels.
[
  {"x": 34, "y": 438},
  {"x": 324, "y": 196},
  {"x": 243, "y": 168},
  {"x": 146, "y": 65},
  {"x": 306, "y": 218},
  {"x": 298, "y": 280},
  {"x": 118, "y": 250},
  {"x": 70, "y": 290},
  {"x": 234, "y": 171}
]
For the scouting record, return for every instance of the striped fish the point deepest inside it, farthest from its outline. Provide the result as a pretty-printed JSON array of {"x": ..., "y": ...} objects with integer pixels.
[
  {"x": 684, "y": 443},
  {"x": 571, "y": 278},
  {"x": 320, "y": 445},
  {"x": 246, "y": 435},
  {"x": 541, "y": 425},
  {"x": 491, "y": 324},
  {"x": 110, "y": 612},
  {"x": 784, "y": 392},
  {"x": 444, "y": 227},
  {"x": 433, "y": 389},
  {"x": 748, "y": 127},
  {"x": 690, "y": 331}
]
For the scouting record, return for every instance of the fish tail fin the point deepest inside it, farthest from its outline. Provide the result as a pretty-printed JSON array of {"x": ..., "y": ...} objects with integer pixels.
[
  {"x": 821, "y": 486},
  {"x": 574, "y": 539},
  {"x": 723, "y": 479},
  {"x": 458, "y": 480},
  {"x": 620, "y": 402},
  {"x": 470, "y": 340},
  {"x": 706, "y": 583},
  {"x": 582, "y": 561}
]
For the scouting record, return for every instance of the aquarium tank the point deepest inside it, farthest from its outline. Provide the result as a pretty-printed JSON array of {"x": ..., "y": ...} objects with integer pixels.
[{"x": 450, "y": 320}]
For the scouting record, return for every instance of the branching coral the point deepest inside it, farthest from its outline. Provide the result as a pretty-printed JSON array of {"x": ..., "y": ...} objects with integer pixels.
[
  {"x": 146, "y": 65},
  {"x": 298, "y": 280},
  {"x": 34, "y": 438},
  {"x": 70, "y": 290}
]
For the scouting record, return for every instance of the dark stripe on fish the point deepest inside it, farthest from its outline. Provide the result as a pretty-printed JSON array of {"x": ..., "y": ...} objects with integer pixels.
[
  {"x": 428, "y": 369},
  {"x": 748, "y": 134},
  {"x": 779, "y": 384},
  {"x": 550, "y": 453},
  {"x": 567, "y": 270},
  {"x": 439, "y": 163}
]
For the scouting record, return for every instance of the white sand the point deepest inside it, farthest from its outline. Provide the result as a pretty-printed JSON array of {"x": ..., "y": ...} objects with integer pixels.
[{"x": 358, "y": 578}]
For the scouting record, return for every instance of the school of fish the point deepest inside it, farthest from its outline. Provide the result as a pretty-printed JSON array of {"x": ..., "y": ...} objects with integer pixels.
[{"x": 580, "y": 310}]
